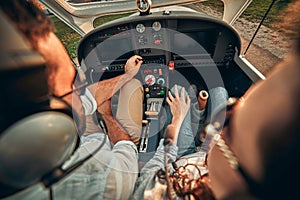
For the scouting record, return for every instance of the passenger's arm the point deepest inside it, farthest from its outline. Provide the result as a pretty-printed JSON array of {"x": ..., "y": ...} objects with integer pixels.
[
  {"x": 179, "y": 106},
  {"x": 157, "y": 161}
]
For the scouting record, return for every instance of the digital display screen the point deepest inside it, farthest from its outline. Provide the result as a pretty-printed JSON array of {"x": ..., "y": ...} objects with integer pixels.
[
  {"x": 111, "y": 49},
  {"x": 194, "y": 42}
]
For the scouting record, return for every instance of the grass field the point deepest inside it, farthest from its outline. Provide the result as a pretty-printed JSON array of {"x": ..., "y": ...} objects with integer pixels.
[
  {"x": 257, "y": 9},
  {"x": 254, "y": 12}
]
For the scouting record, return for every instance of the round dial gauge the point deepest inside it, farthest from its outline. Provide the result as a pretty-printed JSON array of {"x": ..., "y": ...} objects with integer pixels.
[
  {"x": 140, "y": 28},
  {"x": 156, "y": 26},
  {"x": 150, "y": 79}
]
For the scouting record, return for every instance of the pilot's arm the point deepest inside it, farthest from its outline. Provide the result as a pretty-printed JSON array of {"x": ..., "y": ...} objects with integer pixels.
[
  {"x": 115, "y": 132},
  {"x": 111, "y": 173},
  {"x": 105, "y": 89},
  {"x": 98, "y": 93}
]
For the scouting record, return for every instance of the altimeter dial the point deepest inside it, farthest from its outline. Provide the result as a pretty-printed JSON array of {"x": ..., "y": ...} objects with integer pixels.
[
  {"x": 140, "y": 28},
  {"x": 156, "y": 26}
]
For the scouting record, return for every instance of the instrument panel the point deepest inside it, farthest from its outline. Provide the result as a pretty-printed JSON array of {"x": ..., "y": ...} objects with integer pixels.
[
  {"x": 184, "y": 39},
  {"x": 154, "y": 75}
]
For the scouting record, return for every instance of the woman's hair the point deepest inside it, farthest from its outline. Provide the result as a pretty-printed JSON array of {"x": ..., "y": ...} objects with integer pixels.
[
  {"x": 198, "y": 188},
  {"x": 184, "y": 186},
  {"x": 281, "y": 154},
  {"x": 28, "y": 17},
  {"x": 290, "y": 22}
]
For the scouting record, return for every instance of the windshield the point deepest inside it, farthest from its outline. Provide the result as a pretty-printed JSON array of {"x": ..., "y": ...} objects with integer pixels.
[{"x": 80, "y": 14}]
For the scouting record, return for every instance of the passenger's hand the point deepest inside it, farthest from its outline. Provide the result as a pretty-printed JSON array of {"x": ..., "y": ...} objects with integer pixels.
[
  {"x": 134, "y": 62},
  {"x": 179, "y": 106}
]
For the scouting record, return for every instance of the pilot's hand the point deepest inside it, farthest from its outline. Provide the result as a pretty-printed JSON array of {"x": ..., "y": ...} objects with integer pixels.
[
  {"x": 134, "y": 62},
  {"x": 179, "y": 106}
]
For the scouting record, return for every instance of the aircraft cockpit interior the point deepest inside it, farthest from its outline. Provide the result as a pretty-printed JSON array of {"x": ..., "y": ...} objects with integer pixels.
[{"x": 178, "y": 47}]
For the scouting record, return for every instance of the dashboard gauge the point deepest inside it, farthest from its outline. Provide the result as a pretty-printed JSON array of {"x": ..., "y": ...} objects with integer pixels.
[
  {"x": 142, "y": 40},
  {"x": 140, "y": 28},
  {"x": 150, "y": 79},
  {"x": 158, "y": 39},
  {"x": 156, "y": 26},
  {"x": 161, "y": 81}
]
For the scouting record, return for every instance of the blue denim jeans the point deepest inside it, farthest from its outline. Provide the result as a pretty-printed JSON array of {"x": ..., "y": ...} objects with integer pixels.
[
  {"x": 185, "y": 143},
  {"x": 195, "y": 119}
]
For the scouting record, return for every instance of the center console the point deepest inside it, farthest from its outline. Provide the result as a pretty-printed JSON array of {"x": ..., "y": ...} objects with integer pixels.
[{"x": 154, "y": 75}]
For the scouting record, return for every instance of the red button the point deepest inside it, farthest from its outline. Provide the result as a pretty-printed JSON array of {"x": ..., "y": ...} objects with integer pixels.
[
  {"x": 171, "y": 65},
  {"x": 157, "y": 42}
]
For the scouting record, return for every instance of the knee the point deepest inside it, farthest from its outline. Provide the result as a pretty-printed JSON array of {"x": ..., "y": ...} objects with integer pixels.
[{"x": 133, "y": 85}]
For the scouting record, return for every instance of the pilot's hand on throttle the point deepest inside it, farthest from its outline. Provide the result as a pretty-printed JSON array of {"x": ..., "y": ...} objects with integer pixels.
[
  {"x": 179, "y": 106},
  {"x": 133, "y": 63}
]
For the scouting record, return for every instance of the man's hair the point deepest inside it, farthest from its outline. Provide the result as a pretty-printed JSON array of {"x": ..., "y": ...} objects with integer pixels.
[{"x": 29, "y": 19}]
